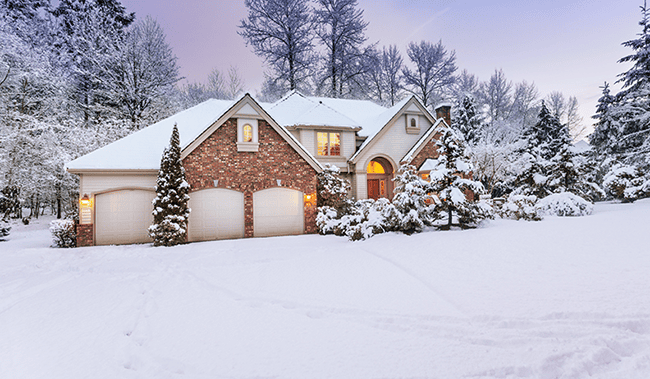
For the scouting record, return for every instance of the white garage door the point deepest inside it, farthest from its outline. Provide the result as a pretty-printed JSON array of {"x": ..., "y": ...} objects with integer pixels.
[
  {"x": 217, "y": 213},
  {"x": 123, "y": 217},
  {"x": 277, "y": 212}
]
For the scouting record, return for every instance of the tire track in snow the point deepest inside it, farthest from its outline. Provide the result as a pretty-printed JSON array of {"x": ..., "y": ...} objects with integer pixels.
[{"x": 462, "y": 312}]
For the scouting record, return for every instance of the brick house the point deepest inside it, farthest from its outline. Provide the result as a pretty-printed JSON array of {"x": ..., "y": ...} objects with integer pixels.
[{"x": 252, "y": 167}]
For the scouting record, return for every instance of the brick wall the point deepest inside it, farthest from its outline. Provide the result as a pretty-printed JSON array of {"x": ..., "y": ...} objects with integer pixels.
[
  {"x": 85, "y": 235},
  {"x": 217, "y": 158},
  {"x": 430, "y": 150}
]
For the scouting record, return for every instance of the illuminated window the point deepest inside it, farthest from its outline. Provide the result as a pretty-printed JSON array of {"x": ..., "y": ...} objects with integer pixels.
[
  {"x": 375, "y": 167},
  {"x": 425, "y": 177},
  {"x": 248, "y": 133},
  {"x": 328, "y": 143}
]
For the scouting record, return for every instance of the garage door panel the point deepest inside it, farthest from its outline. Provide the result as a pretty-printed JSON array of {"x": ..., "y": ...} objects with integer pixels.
[
  {"x": 123, "y": 217},
  {"x": 278, "y": 211},
  {"x": 216, "y": 214}
]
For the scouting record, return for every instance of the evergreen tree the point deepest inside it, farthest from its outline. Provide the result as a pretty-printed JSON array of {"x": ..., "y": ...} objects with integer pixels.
[
  {"x": 605, "y": 135},
  {"x": 170, "y": 211},
  {"x": 450, "y": 180},
  {"x": 332, "y": 189},
  {"x": 544, "y": 138},
  {"x": 410, "y": 200},
  {"x": 467, "y": 122}
]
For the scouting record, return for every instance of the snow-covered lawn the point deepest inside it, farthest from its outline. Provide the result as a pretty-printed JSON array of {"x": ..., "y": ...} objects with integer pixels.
[{"x": 560, "y": 298}]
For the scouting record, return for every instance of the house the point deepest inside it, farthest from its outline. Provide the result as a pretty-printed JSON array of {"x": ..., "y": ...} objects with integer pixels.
[{"x": 252, "y": 167}]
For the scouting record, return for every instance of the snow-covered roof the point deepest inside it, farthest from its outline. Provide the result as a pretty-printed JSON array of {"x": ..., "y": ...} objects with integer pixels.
[
  {"x": 297, "y": 109},
  {"x": 428, "y": 165},
  {"x": 142, "y": 150}
]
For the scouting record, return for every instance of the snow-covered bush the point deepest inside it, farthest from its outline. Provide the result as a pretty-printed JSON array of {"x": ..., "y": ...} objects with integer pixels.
[
  {"x": 410, "y": 200},
  {"x": 332, "y": 189},
  {"x": 626, "y": 183},
  {"x": 170, "y": 211},
  {"x": 5, "y": 228},
  {"x": 564, "y": 204},
  {"x": 63, "y": 233},
  {"x": 520, "y": 207},
  {"x": 364, "y": 219}
]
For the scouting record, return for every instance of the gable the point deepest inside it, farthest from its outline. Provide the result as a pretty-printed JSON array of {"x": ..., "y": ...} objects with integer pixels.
[{"x": 393, "y": 139}]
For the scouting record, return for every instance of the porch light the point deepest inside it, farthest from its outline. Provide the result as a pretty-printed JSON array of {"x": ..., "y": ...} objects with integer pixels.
[
  {"x": 85, "y": 201},
  {"x": 310, "y": 199}
]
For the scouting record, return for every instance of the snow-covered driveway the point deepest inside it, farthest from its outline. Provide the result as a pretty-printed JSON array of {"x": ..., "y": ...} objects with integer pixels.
[{"x": 561, "y": 298}]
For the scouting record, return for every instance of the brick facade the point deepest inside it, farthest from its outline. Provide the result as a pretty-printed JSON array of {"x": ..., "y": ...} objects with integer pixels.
[
  {"x": 430, "y": 150},
  {"x": 85, "y": 235},
  {"x": 217, "y": 158}
]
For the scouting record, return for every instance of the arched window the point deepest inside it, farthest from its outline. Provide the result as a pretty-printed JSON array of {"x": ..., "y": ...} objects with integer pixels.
[
  {"x": 248, "y": 133},
  {"x": 414, "y": 124},
  {"x": 375, "y": 167}
]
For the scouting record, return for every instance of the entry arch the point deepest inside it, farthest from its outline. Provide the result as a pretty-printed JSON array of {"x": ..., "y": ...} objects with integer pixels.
[{"x": 379, "y": 175}]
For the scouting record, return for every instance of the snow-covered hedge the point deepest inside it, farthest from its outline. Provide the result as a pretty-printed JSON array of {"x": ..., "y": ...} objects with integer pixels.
[
  {"x": 5, "y": 228},
  {"x": 626, "y": 183},
  {"x": 63, "y": 233},
  {"x": 364, "y": 219},
  {"x": 565, "y": 204}
]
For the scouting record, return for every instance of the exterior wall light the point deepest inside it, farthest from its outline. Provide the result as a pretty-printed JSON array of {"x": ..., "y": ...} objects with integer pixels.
[{"x": 86, "y": 206}]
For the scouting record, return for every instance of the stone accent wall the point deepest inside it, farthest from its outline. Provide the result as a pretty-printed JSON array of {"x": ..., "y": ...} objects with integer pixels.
[
  {"x": 217, "y": 158},
  {"x": 85, "y": 235},
  {"x": 430, "y": 150}
]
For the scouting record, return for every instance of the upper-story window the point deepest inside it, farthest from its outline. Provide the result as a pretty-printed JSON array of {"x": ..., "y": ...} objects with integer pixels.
[
  {"x": 329, "y": 143},
  {"x": 248, "y": 133}
]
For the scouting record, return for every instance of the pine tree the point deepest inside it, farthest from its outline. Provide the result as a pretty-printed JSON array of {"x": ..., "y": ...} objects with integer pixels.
[
  {"x": 543, "y": 139},
  {"x": 451, "y": 181},
  {"x": 410, "y": 200},
  {"x": 170, "y": 211},
  {"x": 332, "y": 189},
  {"x": 606, "y": 129},
  {"x": 467, "y": 121}
]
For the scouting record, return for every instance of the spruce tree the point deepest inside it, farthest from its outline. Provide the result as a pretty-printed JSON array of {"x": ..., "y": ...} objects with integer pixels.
[
  {"x": 410, "y": 200},
  {"x": 332, "y": 189},
  {"x": 170, "y": 211},
  {"x": 467, "y": 121},
  {"x": 606, "y": 129},
  {"x": 451, "y": 180}
]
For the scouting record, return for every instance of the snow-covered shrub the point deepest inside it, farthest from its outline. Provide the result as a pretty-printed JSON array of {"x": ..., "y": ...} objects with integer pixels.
[
  {"x": 332, "y": 189},
  {"x": 564, "y": 204},
  {"x": 626, "y": 183},
  {"x": 364, "y": 219},
  {"x": 63, "y": 233},
  {"x": 520, "y": 207},
  {"x": 5, "y": 228},
  {"x": 170, "y": 210},
  {"x": 410, "y": 200}
]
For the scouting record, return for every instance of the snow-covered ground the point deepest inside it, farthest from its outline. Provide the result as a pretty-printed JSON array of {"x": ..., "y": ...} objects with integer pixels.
[{"x": 560, "y": 298}]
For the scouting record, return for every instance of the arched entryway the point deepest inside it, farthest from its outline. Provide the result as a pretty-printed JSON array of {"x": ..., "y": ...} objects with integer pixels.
[{"x": 380, "y": 175}]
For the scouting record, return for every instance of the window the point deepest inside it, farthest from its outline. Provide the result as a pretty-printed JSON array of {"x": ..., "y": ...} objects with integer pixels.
[
  {"x": 414, "y": 123},
  {"x": 375, "y": 167},
  {"x": 248, "y": 133},
  {"x": 247, "y": 140},
  {"x": 329, "y": 143}
]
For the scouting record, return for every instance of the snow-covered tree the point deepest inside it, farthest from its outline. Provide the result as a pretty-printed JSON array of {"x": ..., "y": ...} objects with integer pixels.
[
  {"x": 410, "y": 200},
  {"x": 467, "y": 121},
  {"x": 340, "y": 28},
  {"x": 170, "y": 211},
  {"x": 332, "y": 189},
  {"x": 142, "y": 75},
  {"x": 450, "y": 181},
  {"x": 433, "y": 71},
  {"x": 5, "y": 228},
  {"x": 626, "y": 183},
  {"x": 281, "y": 32},
  {"x": 606, "y": 129}
]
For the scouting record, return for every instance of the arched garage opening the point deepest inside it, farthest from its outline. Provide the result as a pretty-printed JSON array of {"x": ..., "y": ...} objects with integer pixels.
[
  {"x": 123, "y": 217},
  {"x": 217, "y": 213},
  {"x": 278, "y": 212}
]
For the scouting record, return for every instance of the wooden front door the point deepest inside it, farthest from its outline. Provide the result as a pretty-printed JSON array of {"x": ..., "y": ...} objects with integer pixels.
[{"x": 373, "y": 189}]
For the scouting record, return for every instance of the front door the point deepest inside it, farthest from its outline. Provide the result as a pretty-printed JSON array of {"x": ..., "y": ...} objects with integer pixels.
[{"x": 373, "y": 189}]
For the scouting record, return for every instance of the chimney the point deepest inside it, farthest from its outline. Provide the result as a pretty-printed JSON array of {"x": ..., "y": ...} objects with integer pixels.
[{"x": 444, "y": 111}]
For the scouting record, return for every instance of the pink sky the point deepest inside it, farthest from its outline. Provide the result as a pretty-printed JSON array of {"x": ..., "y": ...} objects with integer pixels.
[{"x": 570, "y": 46}]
